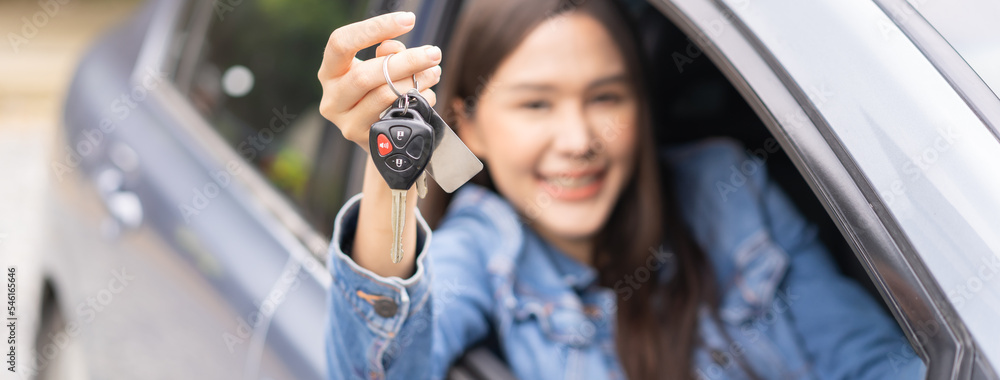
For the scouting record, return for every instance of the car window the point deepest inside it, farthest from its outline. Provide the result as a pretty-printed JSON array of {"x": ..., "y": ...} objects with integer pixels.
[
  {"x": 251, "y": 72},
  {"x": 970, "y": 27}
]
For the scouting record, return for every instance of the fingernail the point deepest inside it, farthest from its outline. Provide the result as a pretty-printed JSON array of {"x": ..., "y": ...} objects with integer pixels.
[
  {"x": 433, "y": 53},
  {"x": 405, "y": 18},
  {"x": 436, "y": 70}
]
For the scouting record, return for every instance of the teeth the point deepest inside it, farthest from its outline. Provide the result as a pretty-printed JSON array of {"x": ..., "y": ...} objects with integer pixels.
[{"x": 571, "y": 182}]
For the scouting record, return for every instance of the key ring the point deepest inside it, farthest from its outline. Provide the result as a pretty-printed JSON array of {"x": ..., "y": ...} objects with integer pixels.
[{"x": 385, "y": 72}]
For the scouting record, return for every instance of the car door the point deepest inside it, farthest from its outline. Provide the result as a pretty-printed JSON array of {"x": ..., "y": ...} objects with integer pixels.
[
  {"x": 889, "y": 143},
  {"x": 233, "y": 178}
]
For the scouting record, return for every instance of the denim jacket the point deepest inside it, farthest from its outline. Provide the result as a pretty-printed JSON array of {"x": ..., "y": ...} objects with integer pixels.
[{"x": 788, "y": 312}]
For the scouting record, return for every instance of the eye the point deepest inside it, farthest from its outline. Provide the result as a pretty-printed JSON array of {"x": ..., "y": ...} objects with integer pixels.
[
  {"x": 607, "y": 98},
  {"x": 535, "y": 105}
]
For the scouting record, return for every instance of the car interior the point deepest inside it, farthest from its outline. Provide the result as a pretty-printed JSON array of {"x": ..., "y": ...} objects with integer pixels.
[
  {"x": 700, "y": 104},
  {"x": 312, "y": 164}
]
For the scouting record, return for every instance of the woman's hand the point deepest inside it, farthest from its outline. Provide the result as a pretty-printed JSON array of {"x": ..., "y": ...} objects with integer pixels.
[
  {"x": 355, "y": 91},
  {"x": 354, "y": 94}
]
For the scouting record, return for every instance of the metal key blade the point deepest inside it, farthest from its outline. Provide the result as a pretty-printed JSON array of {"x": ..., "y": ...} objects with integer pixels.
[
  {"x": 422, "y": 185},
  {"x": 397, "y": 218}
]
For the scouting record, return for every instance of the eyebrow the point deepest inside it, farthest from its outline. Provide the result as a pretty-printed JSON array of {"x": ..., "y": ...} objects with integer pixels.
[
  {"x": 608, "y": 80},
  {"x": 614, "y": 78}
]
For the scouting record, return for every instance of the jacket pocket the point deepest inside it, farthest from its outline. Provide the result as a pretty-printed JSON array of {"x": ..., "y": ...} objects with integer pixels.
[{"x": 560, "y": 322}]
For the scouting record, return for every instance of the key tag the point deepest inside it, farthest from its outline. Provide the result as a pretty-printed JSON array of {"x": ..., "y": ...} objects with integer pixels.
[{"x": 452, "y": 164}]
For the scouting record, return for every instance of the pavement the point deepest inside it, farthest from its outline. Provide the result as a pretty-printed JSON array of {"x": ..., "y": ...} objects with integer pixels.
[{"x": 41, "y": 46}]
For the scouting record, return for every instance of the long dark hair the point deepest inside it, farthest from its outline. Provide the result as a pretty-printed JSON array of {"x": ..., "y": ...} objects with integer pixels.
[{"x": 656, "y": 322}]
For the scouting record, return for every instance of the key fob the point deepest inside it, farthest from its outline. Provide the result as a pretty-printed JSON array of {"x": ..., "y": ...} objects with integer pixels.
[{"x": 401, "y": 144}]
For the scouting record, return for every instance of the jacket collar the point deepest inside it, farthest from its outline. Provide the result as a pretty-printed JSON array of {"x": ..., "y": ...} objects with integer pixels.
[
  {"x": 516, "y": 236},
  {"x": 757, "y": 265},
  {"x": 489, "y": 206}
]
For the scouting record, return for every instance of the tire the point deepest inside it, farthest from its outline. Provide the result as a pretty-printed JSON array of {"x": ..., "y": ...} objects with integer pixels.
[{"x": 59, "y": 356}]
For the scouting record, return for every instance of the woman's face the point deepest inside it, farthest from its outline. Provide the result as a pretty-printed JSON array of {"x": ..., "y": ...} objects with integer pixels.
[{"x": 556, "y": 126}]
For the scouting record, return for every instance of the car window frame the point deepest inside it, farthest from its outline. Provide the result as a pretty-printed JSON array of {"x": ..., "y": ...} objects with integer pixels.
[
  {"x": 963, "y": 78},
  {"x": 873, "y": 234},
  {"x": 305, "y": 248}
]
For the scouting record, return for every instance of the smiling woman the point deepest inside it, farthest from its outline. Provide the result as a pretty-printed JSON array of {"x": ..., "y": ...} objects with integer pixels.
[
  {"x": 584, "y": 251},
  {"x": 551, "y": 114},
  {"x": 564, "y": 130}
]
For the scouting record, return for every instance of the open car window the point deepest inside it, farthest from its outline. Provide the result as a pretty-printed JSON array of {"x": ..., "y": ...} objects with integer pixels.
[
  {"x": 250, "y": 69},
  {"x": 886, "y": 144}
]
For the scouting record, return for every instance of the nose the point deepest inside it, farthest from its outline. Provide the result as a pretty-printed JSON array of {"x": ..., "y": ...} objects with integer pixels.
[{"x": 574, "y": 135}]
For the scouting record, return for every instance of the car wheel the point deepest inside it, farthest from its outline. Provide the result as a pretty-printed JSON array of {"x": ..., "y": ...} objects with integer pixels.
[{"x": 58, "y": 354}]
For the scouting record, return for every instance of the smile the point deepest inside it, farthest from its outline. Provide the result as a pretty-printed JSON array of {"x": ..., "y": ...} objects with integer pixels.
[{"x": 574, "y": 186}]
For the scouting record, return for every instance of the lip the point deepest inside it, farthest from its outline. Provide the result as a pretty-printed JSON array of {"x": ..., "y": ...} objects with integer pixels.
[
  {"x": 574, "y": 194},
  {"x": 573, "y": 173}
]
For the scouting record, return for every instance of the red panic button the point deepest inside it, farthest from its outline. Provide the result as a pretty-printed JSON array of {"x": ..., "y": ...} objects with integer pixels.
[{"x": 384, "y": 147}]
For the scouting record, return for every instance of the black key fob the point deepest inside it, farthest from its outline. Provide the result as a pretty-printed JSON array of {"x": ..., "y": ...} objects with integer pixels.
[{"x": 401, "y": 145}]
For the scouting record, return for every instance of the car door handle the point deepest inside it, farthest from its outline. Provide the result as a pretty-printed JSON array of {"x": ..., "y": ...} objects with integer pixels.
[{"x": 124, "y": 206}]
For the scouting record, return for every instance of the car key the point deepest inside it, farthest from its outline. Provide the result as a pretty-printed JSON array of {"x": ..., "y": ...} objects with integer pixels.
[{"x": 401, "y": 144}]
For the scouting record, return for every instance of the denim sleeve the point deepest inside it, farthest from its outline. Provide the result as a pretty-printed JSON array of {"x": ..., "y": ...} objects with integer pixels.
[
  {"x": 844, "y": 330},
  {"x": 393, "y": 328}
]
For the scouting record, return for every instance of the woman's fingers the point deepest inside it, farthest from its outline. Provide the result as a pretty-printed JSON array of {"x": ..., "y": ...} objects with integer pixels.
[
  {"x": 411, "y": 61},
  {"x": 389, "y": 47},
  {"x": 354, "y": 91},
  {"x": 346, "y": 41},
  {"x": 355, "y": 123},
  {"x": 425, "y": 80},
  {"x": 366, "y": 76},
  {"x": 430, "y": 96},
  {"x": 381, "y": 97}
]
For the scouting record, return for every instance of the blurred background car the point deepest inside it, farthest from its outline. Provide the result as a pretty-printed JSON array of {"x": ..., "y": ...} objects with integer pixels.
[{"x": 195, "y": 183}]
